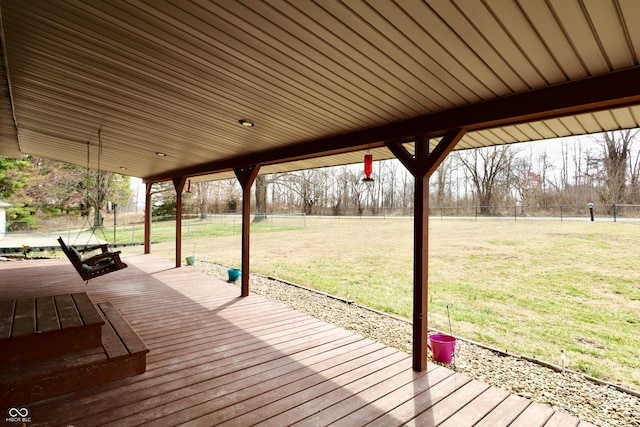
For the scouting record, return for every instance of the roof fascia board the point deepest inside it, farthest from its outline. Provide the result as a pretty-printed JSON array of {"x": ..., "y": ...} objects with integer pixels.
[{"x": 616, "y": 89}]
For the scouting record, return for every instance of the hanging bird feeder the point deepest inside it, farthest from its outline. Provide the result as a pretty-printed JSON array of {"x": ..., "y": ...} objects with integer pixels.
[
  {"x": 189, "y": 186},
  {"x": 368, "y": 167}
]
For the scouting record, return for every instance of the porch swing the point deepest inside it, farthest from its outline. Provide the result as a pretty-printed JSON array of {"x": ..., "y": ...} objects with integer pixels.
[{"x": 106, "y": 261}]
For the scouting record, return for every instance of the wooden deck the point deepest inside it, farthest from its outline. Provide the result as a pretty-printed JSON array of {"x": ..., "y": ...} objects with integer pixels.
[{"x": 219, "y": 359}]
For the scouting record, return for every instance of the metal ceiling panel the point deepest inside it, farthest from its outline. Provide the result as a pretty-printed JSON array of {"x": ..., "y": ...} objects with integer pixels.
[
  {"x": 626, "y": 118},
  {"x": 175, "y": 77},
  {"x": 549, "y": 29},
  {"x": 579, "y": 32}
]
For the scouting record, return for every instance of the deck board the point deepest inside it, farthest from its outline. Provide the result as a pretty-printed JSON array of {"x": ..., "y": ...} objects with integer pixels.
[
  {"x": 268, "y": 405},
  {"x": 401, "y": 403},
  {"x": 159, "y": 401},
  {"x": 218, "y": 358},
  {"x": 7, "y": 308},
  {"x": 67, "y": 312},
  {"x": 477, "y": 409},
  {"x": 355, "y": 402},
  {"x": 535, "y": 415},
  {"x": 47, "y": 318},
  {"x": 441, "y": 410},
  {"x": 24, "y": 323},
  {"x": 336, "y": 390},
  {"x": 86, "y": 309},
  {"x": 505, "y": 412},
  {"x": 559, "y": 419}
]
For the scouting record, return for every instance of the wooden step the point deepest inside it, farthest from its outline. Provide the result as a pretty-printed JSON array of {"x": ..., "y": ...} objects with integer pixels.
[
  {"x": 120, "y": 339},
  {"x": 37, "y": 328},
  {"x": 121, "y": 354}
]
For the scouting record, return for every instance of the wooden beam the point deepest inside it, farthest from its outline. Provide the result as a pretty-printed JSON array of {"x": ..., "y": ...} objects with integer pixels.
[
  {"x": 442, "y": 150},
  {"x": 402, "y": 154},
  {"x": 427, "y": 165},
  {"x": 178, "y": 183},
  {"x": 147, "y": 218},
  {"x": 421, "y": 166},
  {"x": 421, "y": 256},
  {"x": 246, "y": 176},
  {"x": 611, "y": 90}
]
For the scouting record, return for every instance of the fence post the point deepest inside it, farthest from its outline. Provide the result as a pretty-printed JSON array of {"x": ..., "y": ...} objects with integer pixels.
[{"x": 615, "y": 213}]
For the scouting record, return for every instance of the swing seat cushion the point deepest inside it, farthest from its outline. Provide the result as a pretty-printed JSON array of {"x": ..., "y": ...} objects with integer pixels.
[
  {"x": 93, "y": 266},
  {"x": 100, "y": 265}
]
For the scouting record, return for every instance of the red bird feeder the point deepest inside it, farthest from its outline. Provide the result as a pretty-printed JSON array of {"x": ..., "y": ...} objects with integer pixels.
[{"x": 368, "y": 167}]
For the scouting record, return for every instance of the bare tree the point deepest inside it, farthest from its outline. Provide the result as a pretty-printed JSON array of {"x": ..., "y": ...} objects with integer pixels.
[
  {"x": 261, "y": 198},
  {"x": 338, "y": 189},
  {"x": 203, "y": 197},
  {"x": 542, "y": 168},
  {"x": 564, "y": 170},
  {"x": 488, "y": 170},
  {"x": 443, "y": 182},
  {"x": 526, "y": 182},
  {"x": 357, "y": 190},
  {"x": 577, "y": 175},
  {"x": 613, "y": 167},
  {"x": 308, "y": 187},
  {"x": 407, "y": 190},
  {"x": 390, "y": 168},
  {"x": 376, "y": 189},
  {"x": 231, "y": 194}
]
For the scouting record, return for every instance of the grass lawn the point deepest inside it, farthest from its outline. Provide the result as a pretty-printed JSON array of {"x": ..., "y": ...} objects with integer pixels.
[{"x": 530, "y": 287}]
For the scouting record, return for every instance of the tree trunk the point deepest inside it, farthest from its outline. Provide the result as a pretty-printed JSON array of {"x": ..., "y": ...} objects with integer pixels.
[{"x": 261, "y": 198}]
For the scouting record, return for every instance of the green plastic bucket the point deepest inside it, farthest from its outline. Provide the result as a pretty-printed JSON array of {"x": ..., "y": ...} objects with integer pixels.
[{"x": 234, "y": 274}]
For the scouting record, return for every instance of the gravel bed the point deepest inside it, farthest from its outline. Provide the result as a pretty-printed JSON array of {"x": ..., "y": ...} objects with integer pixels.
[{"x": 567, "y": 391}]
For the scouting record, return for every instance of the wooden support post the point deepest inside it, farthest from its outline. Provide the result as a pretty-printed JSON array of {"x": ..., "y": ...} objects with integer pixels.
[
  {"x": 422, "y": 165},
  {"x": 420, "y": 256},
  {"x": 178, "y": 183},
  {"x": 147, "y": 218},
  {"x": 246, "y": 176}
]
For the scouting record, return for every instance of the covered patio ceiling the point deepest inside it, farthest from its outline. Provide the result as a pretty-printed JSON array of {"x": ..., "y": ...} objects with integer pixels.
[{"x": 320, "y": 80}]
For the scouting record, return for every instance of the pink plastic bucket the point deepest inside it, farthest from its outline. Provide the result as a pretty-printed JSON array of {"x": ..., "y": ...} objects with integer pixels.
[{"x": 443, "y": 347}]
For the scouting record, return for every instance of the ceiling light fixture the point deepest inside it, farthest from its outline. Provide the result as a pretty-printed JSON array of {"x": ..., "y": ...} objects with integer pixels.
[
  {"x": 246, "y": 123},
  {"x": 158, "y": 153}
]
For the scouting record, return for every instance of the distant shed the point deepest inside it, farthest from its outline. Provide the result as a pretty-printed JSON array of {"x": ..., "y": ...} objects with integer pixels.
[{"x": 3, "y": 218}]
